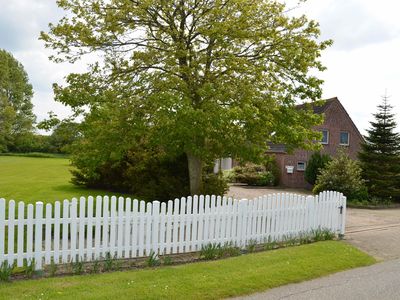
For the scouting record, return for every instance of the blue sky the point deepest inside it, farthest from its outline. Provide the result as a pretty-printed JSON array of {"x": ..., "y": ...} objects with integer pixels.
[{"x": 362, "y": 63}]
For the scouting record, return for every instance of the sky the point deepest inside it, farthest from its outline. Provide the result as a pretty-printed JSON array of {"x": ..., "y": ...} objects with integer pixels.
[{"x": 363, "y": 62}]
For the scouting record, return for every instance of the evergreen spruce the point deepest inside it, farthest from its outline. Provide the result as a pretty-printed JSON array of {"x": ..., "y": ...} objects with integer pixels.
[{"x": 380, "y": 155}]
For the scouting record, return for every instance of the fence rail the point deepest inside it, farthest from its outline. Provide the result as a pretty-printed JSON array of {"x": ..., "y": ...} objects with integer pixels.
[{"x": 89, "y": 229}]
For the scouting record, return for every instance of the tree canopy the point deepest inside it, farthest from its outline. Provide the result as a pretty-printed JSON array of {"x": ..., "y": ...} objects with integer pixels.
[
  {"x": 204, "y": 78},
  {"x": 380, "y": 155},
  {"x": 16, "y": 116}
]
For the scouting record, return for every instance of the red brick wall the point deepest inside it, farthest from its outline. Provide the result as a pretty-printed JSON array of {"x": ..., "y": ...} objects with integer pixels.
[{"x": 336, "y": 120}]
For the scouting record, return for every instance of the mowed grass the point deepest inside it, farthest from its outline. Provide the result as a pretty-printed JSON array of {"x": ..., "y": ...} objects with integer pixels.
[
  {"x": 205, "y": 280},
  {"x": 32, "y": 179}
]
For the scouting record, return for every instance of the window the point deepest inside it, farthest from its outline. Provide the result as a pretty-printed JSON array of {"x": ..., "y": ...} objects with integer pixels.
[
  {"x": 301, "y": 166},
  {"x": 325, "y": 137},
  {"x": 344, "y": 138}
]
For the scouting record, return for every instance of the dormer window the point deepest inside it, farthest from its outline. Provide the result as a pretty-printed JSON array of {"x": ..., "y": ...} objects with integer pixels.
[
  {"x": 325, "y": 137},
  {"x": 344, "y": 138}
]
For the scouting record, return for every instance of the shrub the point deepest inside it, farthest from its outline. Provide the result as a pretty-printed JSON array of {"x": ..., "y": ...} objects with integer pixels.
[
  {"x": 253, "y": 174},
  {"x": 342, "y": 174},
  {"x": 215, "y": 184},
  {"x": 148, "y": 173},
  {"x": 271, "y": 165},
  {"x": 315, "y": 165}
]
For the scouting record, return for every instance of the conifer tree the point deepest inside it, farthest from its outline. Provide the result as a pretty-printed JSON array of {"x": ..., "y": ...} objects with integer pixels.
[{"x": 380, "y": 154}]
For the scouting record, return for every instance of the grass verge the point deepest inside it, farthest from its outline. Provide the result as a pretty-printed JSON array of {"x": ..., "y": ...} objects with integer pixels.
[{"x": 205, "y": 280}]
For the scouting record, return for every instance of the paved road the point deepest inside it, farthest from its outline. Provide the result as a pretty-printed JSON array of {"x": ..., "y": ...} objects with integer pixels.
[
  {"x": 376, "y": 232},
  {"x": 380, "y": 281}
]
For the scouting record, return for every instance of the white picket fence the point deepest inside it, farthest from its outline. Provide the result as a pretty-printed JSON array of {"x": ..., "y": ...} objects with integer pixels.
[{"x": 88, "y": 229}]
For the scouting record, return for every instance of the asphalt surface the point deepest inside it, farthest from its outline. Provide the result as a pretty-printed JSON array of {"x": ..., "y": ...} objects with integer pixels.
[{"x": 380, "y": 281}]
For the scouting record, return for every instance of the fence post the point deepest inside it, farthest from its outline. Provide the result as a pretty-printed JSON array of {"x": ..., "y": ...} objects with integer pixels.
[{"x": 343, "y": 224}]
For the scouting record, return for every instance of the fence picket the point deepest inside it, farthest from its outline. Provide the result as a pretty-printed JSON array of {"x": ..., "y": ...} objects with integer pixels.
[
  {"x": 188, "y": 222},
  {"x": 135, "y": 227},
  {"x": 193, "y": 234},
  {"x": 65, "y": 224},
  {"x": 74, "y": 231},
  {"x": 163, "y": 215},
  {"x": 11, "y": 227},
  {"x": 81, "y": 229},
  {"x": 141, "y": 233},
  {"x": 97, "y": 229},
  {"x": 113, "y": 225},
  {"x": 89, "y": 230},
  {"x": 169, "y": 228},
  {"x": 56, "y": 241},
  {"x": 38, "y": 235},
  {"x": 200, "y": 226},
  {"x": 155, "y": 230},
  {"x": 2, "y": 227},
  {"x": 120, "y": 226},
  {"x": 128, "y": 227},
  {"x": 48, "y": 235},
  {"x": 20, "y": 238},
  {"x": 181, "y": 227}
]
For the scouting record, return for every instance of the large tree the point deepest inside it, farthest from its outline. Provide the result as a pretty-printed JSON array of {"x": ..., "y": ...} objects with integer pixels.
[
  {"x": 380, "y": 155},
  {"x": 207, "y": 78},
  {"x": 16, "y": 116}
]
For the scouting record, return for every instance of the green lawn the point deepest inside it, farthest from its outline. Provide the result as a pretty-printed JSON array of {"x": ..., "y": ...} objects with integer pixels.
[
  {"x": 206, "y": 280},
  {"x": 34, "y": 179}
]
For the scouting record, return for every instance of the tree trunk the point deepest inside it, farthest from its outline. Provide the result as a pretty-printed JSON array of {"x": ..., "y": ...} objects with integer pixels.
[{"x": 195, "y": 165}]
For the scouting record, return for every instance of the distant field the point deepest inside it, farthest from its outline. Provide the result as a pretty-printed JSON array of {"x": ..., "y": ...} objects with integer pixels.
[{"x": 34, "y": 179}]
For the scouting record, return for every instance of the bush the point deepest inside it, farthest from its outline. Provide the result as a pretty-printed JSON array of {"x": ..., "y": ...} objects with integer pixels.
[
  {"x": 271, "y": 165},
  {"x": 215, "y": 184},
  {"x": 342, "y": 174},
  {"x": 147, "y": 173},
  {"x": 253, "y": 174},
  {"x": 315, "y": 165}
]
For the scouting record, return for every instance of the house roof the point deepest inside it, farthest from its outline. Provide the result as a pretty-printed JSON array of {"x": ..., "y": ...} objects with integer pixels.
[{"x": 318, "y": 109}]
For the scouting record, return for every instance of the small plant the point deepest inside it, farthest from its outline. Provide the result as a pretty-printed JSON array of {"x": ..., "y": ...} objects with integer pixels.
[
  {"x": 229, "y": 250},
  {"x": 305, "y": 238},
  {"x": 117, "y": 265},
  {"x": 322, "y": 234},
  {"x": 153, "y": 259},
  {"x": 210, "y": 251},
  {"x": 251, "y": 246},
  {"x": 5, "y": 271},
  {"x": 77, "y": 266},
  {"x": 167, "y": 260},
  {"x": 108, "y": 262},
  {"x": 52, "y": 268},
  {"x": 29, "y": 267},
  {"x": 269, "y": 243},
  {"x": 95, "y": 267}
]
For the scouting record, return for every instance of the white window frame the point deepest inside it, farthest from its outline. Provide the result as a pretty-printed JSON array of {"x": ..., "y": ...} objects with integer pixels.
[
  {"x": 327, "y": 136},
  {"x": 348, "y": 138},
  {"x": 301, "y": 162}
]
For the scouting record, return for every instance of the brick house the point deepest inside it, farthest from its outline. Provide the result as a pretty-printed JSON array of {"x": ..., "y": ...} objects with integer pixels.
[{"x": 338, "y": 131}]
